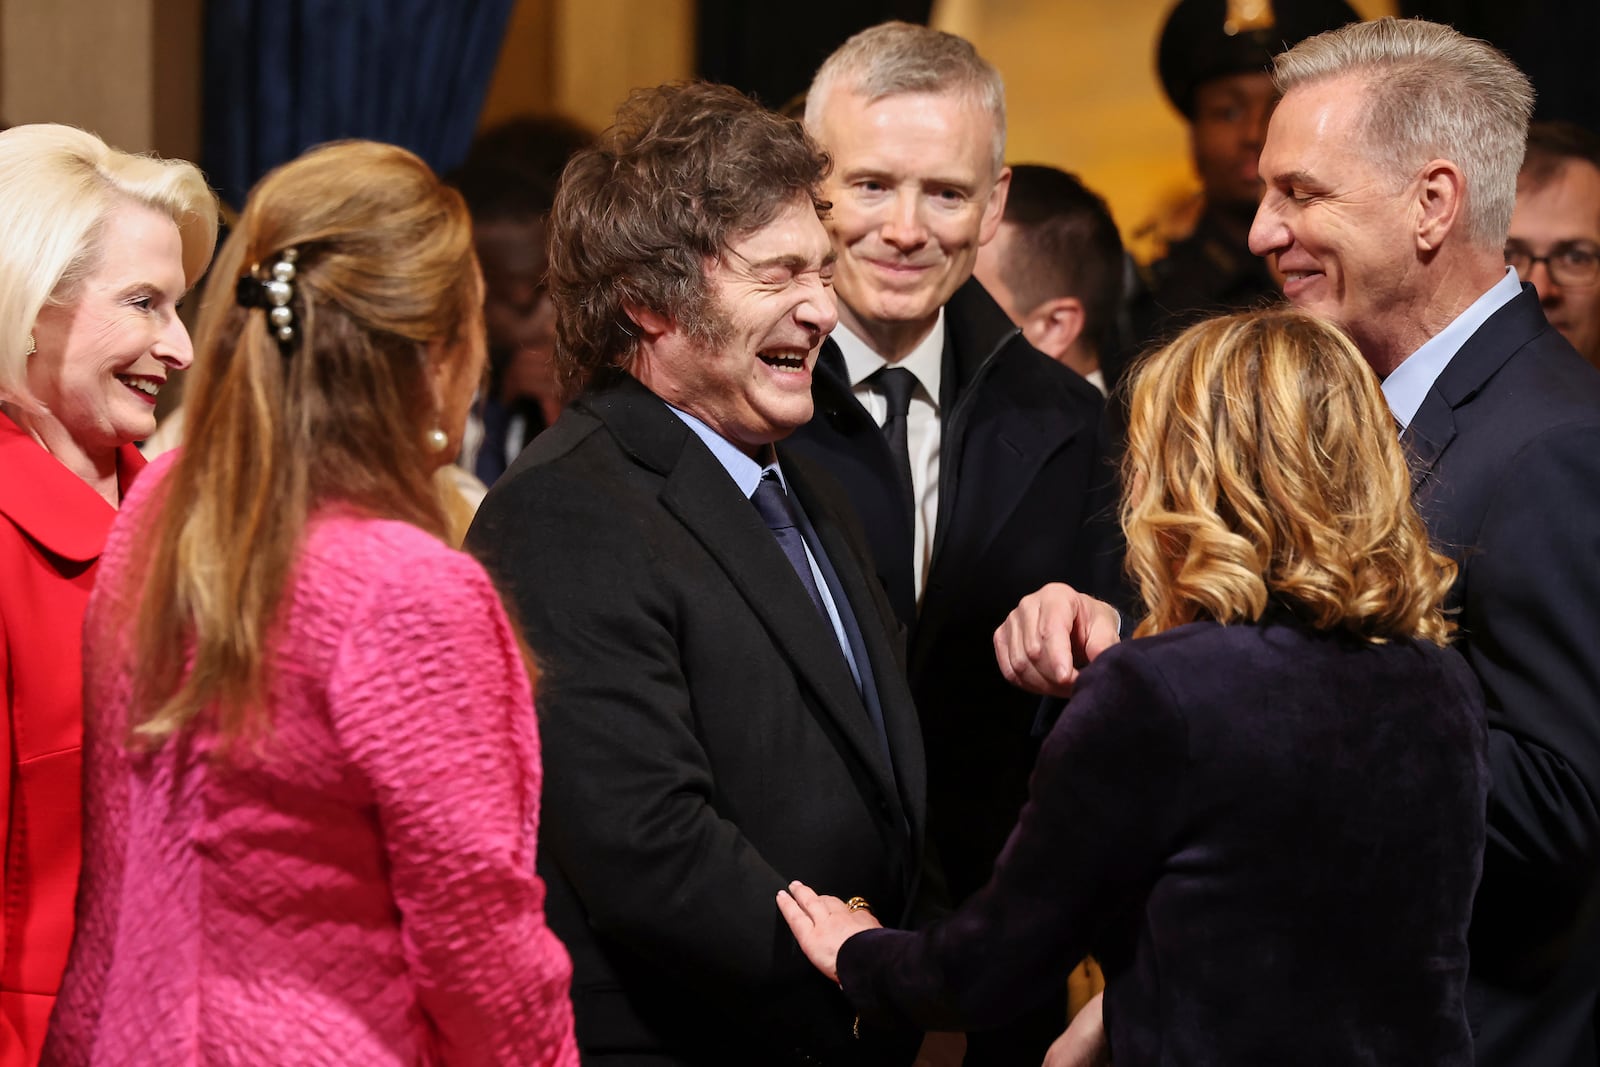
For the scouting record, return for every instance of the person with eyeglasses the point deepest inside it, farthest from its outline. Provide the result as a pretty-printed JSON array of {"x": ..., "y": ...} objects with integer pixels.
[{"x": 1554, "y": 241}]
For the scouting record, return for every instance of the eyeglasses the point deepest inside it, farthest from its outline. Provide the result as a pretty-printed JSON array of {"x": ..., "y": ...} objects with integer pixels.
[{"x": 1569, "y": 263}]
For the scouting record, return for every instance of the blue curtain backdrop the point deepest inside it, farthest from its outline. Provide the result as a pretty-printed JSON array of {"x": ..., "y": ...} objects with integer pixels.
[{"x": 283, "y": 75}]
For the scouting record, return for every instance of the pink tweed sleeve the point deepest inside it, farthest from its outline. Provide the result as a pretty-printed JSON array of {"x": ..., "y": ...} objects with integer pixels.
[{"x": 430, "y": 698}]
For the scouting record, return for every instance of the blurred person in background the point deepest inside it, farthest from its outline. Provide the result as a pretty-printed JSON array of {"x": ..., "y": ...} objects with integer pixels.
[
  {"x": 509, "y": 181},
  {"x": 1265, "y": 815},
  {"x": 1055, "y": 266},
  {"x": 1214, "y": 58},
  {"x": 97, "y": 247},
  {"x": 521, "y": 398},
  {"x": 311, "y": 762},
  {"x": 1554, "y": 240}
]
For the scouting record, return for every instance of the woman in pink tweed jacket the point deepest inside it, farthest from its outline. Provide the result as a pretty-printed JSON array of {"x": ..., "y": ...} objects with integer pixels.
[{"x": 311, "y": 760}]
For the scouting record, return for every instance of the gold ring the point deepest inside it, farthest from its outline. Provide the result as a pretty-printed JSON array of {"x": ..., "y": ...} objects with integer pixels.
[{"x": 858, "y": 904}]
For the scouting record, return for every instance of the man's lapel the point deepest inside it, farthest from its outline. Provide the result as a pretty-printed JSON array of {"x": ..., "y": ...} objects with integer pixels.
[
  {"x": 1424, "y": 440},
  {"x": 1484, "y": 353},
  {"x": 988, "y": 461},
  {"x": 882, "y": 669},
  {"x": 701, "y": 495}
]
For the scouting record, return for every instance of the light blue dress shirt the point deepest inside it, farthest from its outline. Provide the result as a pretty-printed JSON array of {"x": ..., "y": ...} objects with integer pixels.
[
  {"x": 746, "y": 474},
  {"x": 1407, "y": 386}
]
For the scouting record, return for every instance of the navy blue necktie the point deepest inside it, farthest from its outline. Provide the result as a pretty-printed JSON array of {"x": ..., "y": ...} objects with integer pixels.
[
  {"x": 773, "y": 504},
  {"x": 896, "y": 384}
]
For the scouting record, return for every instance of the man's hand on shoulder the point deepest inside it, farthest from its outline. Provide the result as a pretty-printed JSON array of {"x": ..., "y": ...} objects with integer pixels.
[{"x": 1050, "y": 636}]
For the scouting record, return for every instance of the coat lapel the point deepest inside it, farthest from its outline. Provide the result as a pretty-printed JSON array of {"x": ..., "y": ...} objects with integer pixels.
[
  {"x": 843, "y": 438},
  {"x": 997, "y": 459},
  {"x": 1424, "y": 440},
  {"x": 1484, "y": 353},
  {"x": 907, "y": 779},
  {"x": 699, "y": 493},
  {"x": 51, "y": 504}
]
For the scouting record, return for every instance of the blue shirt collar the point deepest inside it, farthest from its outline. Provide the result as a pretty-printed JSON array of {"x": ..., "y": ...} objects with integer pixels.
[
  {"x": 1408, "y": 384},
  {"x": 745, "y": 472}
]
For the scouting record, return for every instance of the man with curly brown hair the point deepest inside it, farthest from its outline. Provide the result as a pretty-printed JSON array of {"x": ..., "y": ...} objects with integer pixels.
[{"x": 723, "y": 706}]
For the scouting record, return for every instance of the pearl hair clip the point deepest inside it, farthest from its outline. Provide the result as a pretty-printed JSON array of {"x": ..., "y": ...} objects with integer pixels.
[{"x": 273, "y": 292}]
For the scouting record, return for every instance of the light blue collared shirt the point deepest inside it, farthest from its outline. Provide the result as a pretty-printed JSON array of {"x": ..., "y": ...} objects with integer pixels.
[
  {"x": 1407, "y": 387},
  {"x": 746, "y": 474}
]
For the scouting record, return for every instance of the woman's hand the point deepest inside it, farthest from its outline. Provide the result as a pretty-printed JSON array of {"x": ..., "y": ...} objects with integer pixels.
[
  {"x": 822, "y": 924},
  {"x": 1084, "y": 1044},
  {"x": 1050, "y": 636}
]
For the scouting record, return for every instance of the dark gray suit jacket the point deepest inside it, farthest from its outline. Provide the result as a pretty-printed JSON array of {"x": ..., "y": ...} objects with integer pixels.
[
  {"x": 703, "y": 740},
  {"x": 1505, "y": 454}
]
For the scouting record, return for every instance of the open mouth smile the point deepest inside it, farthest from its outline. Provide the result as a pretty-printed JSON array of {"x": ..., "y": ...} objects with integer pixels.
[
  {"x": 789, "y": 362},
  {"x": 147, "y": 388}
]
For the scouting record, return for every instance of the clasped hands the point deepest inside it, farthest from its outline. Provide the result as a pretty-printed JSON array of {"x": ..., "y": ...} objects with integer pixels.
[{"x": 1042, "y": 646}]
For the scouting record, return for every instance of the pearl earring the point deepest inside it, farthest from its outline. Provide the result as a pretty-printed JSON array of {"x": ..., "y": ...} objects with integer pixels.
[
  {"x": 436, "y": 440},
  {"x": 32, "y": 347}
]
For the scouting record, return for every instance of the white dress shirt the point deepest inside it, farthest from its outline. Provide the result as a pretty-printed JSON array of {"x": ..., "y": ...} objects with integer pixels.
[{"x": 926, "y": 364}]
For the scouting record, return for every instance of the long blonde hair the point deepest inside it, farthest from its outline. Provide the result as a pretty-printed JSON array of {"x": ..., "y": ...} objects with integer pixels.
[
  {"x": 1263, "y": 466},
  {"x": 385, "y": 267}
]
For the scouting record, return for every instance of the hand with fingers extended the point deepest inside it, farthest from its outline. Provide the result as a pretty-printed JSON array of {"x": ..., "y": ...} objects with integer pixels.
[
  {"x": 1051, "y": 635},
  {"x": 821, "y": 924}
]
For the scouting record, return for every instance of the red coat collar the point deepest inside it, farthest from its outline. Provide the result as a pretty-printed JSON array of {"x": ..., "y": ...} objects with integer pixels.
[{"x": 51, "y": 504}]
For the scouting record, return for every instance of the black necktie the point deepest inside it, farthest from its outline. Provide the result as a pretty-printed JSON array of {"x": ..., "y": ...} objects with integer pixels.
[
  {"x": 896, "y": 385},
  {"x": 773, "y": 504}
]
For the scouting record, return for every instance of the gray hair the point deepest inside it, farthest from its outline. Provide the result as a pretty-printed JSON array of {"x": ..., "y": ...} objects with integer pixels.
[
  {"x": 1433, "y": 93},
  {"x": 899, "y": 57},
  {"x": 59, "y": 184}
]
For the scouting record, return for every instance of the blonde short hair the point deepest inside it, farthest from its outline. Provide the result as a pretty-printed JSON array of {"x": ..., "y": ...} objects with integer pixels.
[
  {"x": 1263, "y": 467},
  {"x": 1433, "y": 93},
  {"x": 58, "y": 185}
]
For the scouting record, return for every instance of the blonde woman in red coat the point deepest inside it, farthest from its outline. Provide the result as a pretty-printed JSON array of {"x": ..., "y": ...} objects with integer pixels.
[{"x": 96, "y": 248}]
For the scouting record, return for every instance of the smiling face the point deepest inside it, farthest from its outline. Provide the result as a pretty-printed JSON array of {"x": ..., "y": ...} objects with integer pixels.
[
  {"x": 914, "y": 193},
  {"x": 772, "y": 305},
  {"x": 102, "y": 359},
  {"x": 1338, "y": 228},
  {"x": 1563, "y": 214}
]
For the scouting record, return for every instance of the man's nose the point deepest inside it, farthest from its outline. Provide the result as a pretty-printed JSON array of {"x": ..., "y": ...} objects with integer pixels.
[
  {"x": 819, "y": 311},
  {"x": 904, "y": 228},
  {"x": 1539, "y": 277},
  {"x": 1268, "y": 234}
]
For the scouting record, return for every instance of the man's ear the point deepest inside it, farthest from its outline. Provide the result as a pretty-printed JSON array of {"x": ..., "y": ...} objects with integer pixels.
[
  {"x": 995, "y": 209},
  {"x": 651, "y": 324},
  {"x": 1055, "y": 326},
  {"x": 1440, "y": 202}
]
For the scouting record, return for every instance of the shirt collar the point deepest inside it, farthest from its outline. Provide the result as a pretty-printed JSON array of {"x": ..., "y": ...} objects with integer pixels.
[
  {"x": 1408, "y": 384},
  {"x": 925, "y": 362},
  {"x": 745, "y": 472}
]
